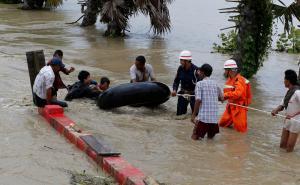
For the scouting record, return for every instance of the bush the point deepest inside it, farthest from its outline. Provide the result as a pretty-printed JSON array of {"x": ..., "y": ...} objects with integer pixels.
[
  {"x": 289, "y": 42},
  {"x": 228, "y": 43}
]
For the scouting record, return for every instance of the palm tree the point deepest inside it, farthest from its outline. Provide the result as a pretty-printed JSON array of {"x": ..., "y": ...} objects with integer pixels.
[
  {"x": 253, "y": 21},
  {"x": 116, "y": 14}
]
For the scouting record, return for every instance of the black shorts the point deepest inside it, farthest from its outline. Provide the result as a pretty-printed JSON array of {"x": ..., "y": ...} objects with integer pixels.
[
  {"x": 39, "y": 102},
  {"x": 201, "y": 129}
]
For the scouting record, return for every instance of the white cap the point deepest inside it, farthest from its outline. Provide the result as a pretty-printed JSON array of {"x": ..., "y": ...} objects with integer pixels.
[
  {"x": 185, "y": 55},
  {"x": 230, "y": 64}
]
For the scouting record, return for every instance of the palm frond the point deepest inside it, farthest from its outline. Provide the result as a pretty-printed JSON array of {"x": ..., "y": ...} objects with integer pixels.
[
  {"x": 112, "y": 13},
  {"x": 286, "y": 13},
  {"x": 281, "y": 2},
  {"x": 158, "y": 12},
  {"x": 54, "y": 3}
]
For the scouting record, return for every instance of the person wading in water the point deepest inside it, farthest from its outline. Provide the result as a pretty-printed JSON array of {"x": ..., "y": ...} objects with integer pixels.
[
  {"x": 186, "y": 77},
  {"x": 207, "y": 94},
  {"x": 291, "y": 104},
  {"x": 43, "y": 85},
  {"x": 140, "y": 71},
  {"x": 58, "y": 83},
  {"x": 236, "y": 91}
]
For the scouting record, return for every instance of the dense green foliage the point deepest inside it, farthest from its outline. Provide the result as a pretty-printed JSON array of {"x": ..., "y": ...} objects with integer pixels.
[
  {"x": 86, "y": 179},
  {"x": 254, "y": 36},
  {"x": 289, "y": 42},
  {"x": 253, "y": 22},
  {"x": 228, "y": 42}
]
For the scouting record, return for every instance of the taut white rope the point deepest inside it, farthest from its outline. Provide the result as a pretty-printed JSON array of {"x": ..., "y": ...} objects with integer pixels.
[{"x": 246, "y": 107}]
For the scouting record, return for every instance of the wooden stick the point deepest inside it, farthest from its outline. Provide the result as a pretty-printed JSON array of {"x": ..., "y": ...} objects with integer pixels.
[
  {"x": 230, "y": 12},
  {"x": 231, "y": 8},
  {"x": 229, "y": 27},
  {"x": 76, "y": 21},
  {"x": 234, "y": 1}
]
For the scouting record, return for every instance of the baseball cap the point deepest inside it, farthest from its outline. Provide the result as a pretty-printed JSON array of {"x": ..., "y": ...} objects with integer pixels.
[{"x": 57, "y": 61}]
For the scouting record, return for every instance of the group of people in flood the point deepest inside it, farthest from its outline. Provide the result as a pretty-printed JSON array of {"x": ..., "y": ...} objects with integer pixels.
[
  {"x": 192, "y": 85},
  {"x": 48, "y": 82},
  {"x": 203, "y": 95}
]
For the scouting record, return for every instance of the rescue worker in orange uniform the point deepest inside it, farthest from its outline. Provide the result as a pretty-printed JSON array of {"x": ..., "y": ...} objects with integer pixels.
[{"x": 235, "y": 91}]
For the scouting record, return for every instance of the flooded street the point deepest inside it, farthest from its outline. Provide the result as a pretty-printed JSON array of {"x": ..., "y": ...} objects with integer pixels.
[{"x": 150, "y": 139}]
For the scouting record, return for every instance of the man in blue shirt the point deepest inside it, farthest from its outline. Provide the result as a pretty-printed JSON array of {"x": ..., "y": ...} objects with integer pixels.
[
  {"x": 208, "y": 93},
  {"x": 186, "y": 77}
]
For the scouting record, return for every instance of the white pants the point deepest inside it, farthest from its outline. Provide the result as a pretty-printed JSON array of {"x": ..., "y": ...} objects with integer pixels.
[{"x": 292, "y": 126}]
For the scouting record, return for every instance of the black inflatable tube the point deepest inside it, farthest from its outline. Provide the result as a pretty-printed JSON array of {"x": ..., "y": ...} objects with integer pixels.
[{"x": 134, "y": 94}]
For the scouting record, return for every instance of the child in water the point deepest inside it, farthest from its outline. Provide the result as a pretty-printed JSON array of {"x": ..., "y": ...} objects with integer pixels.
[
  {"x": 86, "y": 87},
  {"x": 104, "y": 84}
]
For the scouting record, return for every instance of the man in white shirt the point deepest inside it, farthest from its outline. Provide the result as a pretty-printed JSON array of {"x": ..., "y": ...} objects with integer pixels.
[
  {"x": 42, "y": 87},
  {"x": 291, "y": 103},
  {"x": 140, "y": 71}
]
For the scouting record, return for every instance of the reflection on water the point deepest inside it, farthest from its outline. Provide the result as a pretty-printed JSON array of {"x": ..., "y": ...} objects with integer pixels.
[{"x": 151, "y": 139}]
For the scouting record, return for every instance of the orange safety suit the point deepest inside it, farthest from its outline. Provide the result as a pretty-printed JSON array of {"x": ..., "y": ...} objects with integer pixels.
[{"x": 235, "y": 92}]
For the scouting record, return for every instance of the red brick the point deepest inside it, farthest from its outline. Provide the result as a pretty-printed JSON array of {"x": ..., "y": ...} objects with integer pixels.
[
  {"x": 129, "y": 175},
  {"x": 109, "y": 162},
  {"x": 53, "y": 109},
  {"x": 43, "y": 113},
  {"x": 80, "y": 144},
  {"x": 60, "y": 123},
  {"x": 100, "y": 160},
  {"x": 122, "y": 171},
  {"x": 69, "y": 134}
]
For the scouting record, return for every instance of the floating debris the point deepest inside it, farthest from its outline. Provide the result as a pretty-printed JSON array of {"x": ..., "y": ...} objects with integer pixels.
[
  {"x": 150, "y": 181},
  {"x": 86, "y": 179}
]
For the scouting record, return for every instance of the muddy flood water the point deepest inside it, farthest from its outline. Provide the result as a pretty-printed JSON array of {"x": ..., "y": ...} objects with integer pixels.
[{"x": 151, "y": 139}]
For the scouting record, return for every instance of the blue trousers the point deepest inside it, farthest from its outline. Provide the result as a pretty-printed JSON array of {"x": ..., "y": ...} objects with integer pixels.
[{"x": 183, "y": 103}]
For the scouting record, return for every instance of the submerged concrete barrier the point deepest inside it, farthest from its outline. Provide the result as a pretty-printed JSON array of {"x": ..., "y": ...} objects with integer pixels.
[{"x": 106, "y": 158}]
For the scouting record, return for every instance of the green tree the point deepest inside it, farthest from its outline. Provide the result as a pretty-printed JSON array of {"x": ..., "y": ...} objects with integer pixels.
[
  {"x": 228, "y": 42},
  {"x": 289, "y": 42},
  {"x": 253, "y": 21}
]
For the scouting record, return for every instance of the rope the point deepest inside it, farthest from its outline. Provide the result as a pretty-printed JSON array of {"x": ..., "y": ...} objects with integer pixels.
[
  {"x": 185, "y": 95},
  {"x": 246, "y": 107}
]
